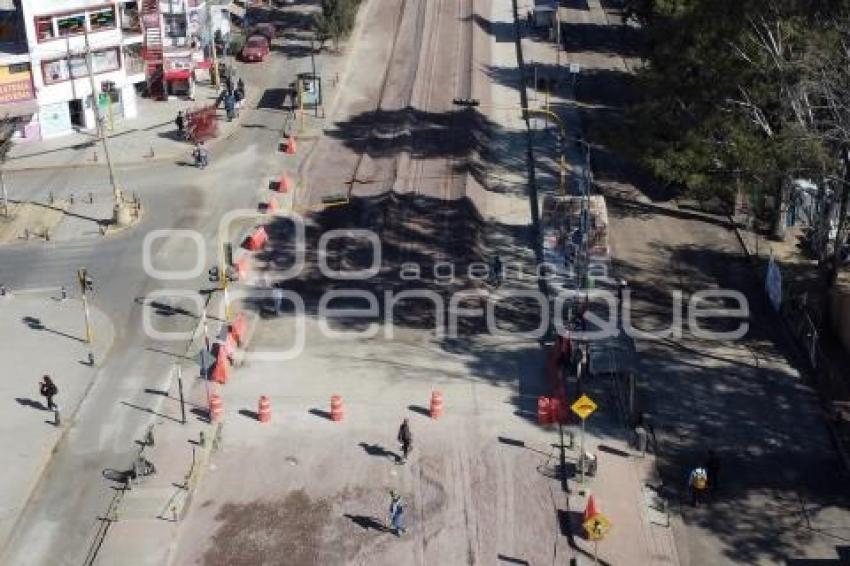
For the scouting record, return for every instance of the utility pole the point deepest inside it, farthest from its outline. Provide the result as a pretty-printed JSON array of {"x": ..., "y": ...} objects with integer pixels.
[
  {"x": 6, "y": 133},
  {"x": 5, "y": 196},
  {"x": 121, "y": 214},
  {"x": 557, "y": 41},
  {"x": 86, "y": 285},
  {"x": 214, "y": 75},
  {"x": 315, "y": 84}
]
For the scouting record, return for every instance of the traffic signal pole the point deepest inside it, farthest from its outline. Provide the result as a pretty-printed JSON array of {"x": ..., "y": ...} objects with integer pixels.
[
  {"x": 86, "y": 285},
  {"x": 89, "y": 333}
]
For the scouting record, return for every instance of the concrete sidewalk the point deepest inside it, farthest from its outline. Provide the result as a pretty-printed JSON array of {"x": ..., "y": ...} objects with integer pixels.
[
  {"x": 148, "y": 138},
  {"x": 40, "y": 335},
  {"x": 641, "y": 532}
]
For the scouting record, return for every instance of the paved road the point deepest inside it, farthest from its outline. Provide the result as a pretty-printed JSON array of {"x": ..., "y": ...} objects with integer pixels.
[{"x": 57, "y": 526}]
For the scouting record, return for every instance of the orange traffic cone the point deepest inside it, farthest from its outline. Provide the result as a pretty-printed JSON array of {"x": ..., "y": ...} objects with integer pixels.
[
  {"x": 264, "y": 411},
  {"x": 436, "y": 404},
  {"x": 221, "y": 370},
  {"x": 590, "y": 509},
  {"x": 239, "y": 327},
  {"x": 229, "y": 345},
  {"x": 290, "y": 145}
]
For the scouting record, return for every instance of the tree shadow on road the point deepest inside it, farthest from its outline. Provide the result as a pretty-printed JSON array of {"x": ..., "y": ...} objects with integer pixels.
[{"x": 782, "y": 488}]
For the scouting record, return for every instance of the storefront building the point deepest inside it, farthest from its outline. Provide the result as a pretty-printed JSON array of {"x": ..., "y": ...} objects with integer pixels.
[
  {"x": 17, "y": 95},
  {"x": 59, "y": 35}
]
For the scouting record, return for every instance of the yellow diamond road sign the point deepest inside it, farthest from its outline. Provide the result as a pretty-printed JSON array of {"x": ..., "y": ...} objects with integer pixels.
[
  {"x": 583, "y": 407},
  {"x": 597, "y": 526}
]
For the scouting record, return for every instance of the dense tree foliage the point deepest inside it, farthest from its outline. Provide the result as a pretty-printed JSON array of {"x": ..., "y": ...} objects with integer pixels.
[
  {"x": 743, "y": 96},
  {"x": 336, "y": 19}
]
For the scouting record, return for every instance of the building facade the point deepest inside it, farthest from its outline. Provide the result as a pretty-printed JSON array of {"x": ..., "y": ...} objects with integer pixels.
[
  {"x": 178, "y": 39},
  {"x": 17, "y": 92},
  {"x": 57, "y": 37},
  {"x": 45, "y": 67}
]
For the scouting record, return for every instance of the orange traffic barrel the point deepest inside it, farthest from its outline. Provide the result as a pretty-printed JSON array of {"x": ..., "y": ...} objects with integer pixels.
[
  {"x": 264, "y": 410},
  {"x": 544, "y": 411},
  {"x": 284, "y": 183},
  {"x": 256, "y": 240},
  {"x": 590, "y": 510},
  {"x": 336, "y": 408},
  {"x": 216, "y": 410},
  {"x": 436, "y": 404}
]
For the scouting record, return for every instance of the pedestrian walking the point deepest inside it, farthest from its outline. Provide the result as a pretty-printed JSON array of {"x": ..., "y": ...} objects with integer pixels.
[
  {"x": 240, "y": 87},
  {"x": 180, "y": 123},
  {"x": 396, "y": 517},
  {"x": 229, "y": 105},
  {"x": 405, "y": 438},
  {"x": 237, "y": 98},
  {"x": 48, "y": 390},
  {"x": 712, "y": 468},
  {"x": 697, "y": 485}
]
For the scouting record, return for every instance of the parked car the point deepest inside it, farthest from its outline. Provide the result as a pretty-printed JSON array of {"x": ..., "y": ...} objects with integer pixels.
[{"x": 256, "y": 48}]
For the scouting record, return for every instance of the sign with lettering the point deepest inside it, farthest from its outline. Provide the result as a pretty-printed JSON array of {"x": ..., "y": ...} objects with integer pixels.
[{"x": 15, "y": 83}]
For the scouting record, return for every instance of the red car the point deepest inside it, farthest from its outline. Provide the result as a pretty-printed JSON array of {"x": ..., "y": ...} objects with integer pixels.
[{"x": 255, "y": 49}]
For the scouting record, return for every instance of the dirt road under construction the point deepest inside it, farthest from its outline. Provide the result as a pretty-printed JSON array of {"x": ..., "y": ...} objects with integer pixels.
[
  {"x": 480, "y": 486},
  {"x": 395, "y": 127},
  {"x": 398, "y": 147}
]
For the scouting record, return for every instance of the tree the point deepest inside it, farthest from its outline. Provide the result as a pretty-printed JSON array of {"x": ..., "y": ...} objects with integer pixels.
[
  {"x": 725, "y": 103},
  {"x": 336, "y": 20}
]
